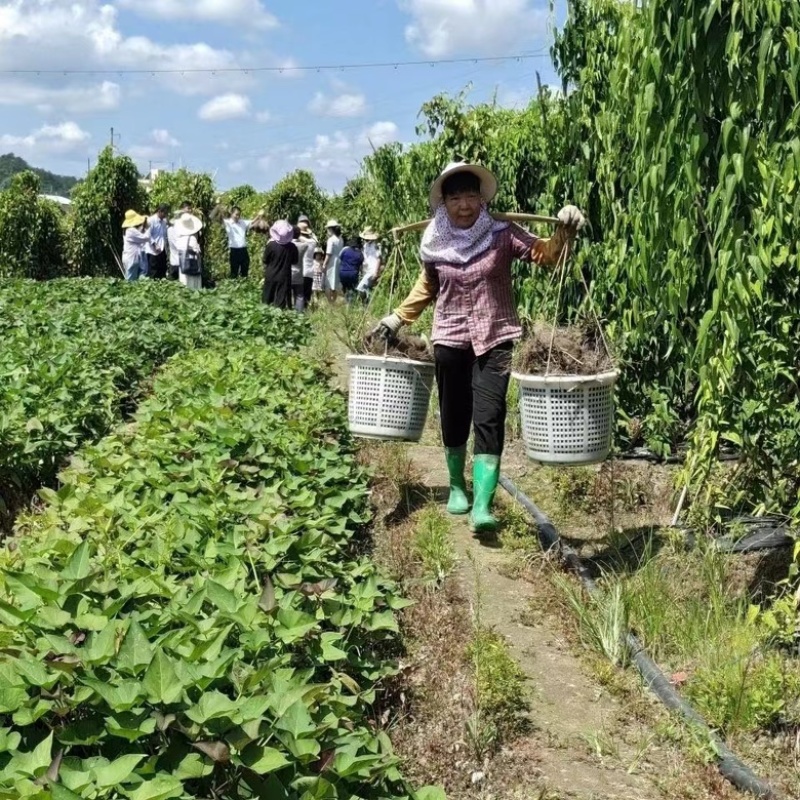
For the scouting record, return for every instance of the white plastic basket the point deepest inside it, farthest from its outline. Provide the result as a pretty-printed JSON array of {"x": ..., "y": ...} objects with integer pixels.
[
  {"x": 567, "y": 419},
  {"x": 389, "y": 397}
]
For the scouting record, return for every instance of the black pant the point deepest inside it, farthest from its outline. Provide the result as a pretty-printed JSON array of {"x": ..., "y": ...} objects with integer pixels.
[
  {"x": 308, "y": 289},
  {"x": 278, "y": 293},
  {"x": 472, "y": 391},
  {"x": 240, "y": 262},
  {"x": 157, "y": 265}
]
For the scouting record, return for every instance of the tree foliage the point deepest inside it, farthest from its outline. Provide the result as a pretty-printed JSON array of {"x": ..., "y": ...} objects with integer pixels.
[
  {"x": 99, "y": 205},
  {"x": 677, "y": 131},
  {"x": 174, "y": 188},
  {"x": 31, "y": 237},
  {"x": 11, "y": 165}
]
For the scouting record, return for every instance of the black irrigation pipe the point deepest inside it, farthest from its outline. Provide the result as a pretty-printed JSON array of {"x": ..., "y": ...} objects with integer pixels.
[
  {"x": 643, "y": 454},
  {"x": 730, "y": 766}
]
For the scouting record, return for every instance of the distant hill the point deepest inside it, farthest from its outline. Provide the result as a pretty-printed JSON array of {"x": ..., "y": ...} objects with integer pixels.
[{"x": 10, "y": 165}]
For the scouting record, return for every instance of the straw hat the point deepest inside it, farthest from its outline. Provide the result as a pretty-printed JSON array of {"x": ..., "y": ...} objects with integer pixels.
[
  {"x": 332, "y": 223},
  {"x": 187, "y": 224},
  {"x": 304, "y": 223},
  {"x": 369, "y": 235},
  {"x": 133, "y": 219},
  {"x": 487, "y": 179}
]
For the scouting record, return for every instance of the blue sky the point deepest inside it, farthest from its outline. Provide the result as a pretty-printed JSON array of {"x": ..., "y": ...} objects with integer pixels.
[{"x": 250, "y": 127}]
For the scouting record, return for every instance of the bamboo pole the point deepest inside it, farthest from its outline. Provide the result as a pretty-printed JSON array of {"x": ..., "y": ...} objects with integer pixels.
[{"x": 501, "y": 217}]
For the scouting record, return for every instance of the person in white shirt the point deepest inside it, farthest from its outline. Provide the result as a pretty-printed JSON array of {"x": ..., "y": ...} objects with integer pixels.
[
  {"x": 330, "y": 266},
  {"x": 134, "y": 241},
  {"x": 156, "y": 248},
  {"x": 373, "y": 265},
  {"x": 184, "y": 231},
  {"x": 237, "y": 229}
]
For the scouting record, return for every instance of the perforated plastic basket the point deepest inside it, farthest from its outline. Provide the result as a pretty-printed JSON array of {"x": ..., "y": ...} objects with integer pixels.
[
  {"x": 567, "y": 419},
  {"x": 389, "y": 397}
]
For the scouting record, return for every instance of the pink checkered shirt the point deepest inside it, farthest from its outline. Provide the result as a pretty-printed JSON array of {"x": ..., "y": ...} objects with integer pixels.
[{"x": 475, "y": 304}]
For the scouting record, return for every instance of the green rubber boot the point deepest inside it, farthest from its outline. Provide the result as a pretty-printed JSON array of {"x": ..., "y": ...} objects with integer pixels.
[
  {"x": 456, "y": 459},
  {"x": 485, "y": 475}
]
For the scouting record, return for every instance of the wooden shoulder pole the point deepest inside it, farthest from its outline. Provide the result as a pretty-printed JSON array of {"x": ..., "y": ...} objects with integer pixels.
[{"x": 509, "y": 217}]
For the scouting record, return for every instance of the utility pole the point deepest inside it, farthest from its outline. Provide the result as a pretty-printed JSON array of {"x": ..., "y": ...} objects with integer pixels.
[{"x": 112, "y": 137}]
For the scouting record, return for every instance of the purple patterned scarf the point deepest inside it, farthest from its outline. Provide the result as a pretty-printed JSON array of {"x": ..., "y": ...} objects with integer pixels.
[{"x": 444, "y": 243}]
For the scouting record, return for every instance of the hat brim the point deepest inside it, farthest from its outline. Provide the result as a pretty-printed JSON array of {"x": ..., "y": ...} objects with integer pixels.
[
  {"x": 485, "y": 176},
  {"x": 184, "y": 230},
  {"x": 369, "y": 237},
  {"x": 134, "y": 223}
]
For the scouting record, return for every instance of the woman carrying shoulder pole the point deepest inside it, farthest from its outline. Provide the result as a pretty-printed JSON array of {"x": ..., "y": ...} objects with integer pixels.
[{"x": 467, "y": 257}]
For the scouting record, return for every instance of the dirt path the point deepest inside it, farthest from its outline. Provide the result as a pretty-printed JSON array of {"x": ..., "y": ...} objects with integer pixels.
[{"x": 586, "y": 743}]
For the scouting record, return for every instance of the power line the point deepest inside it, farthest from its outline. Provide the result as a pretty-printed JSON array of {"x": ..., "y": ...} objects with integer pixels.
[{"x": 316, "y": 68}]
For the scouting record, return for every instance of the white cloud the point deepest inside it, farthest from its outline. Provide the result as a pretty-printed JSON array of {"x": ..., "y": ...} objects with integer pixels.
[
  {"x": 517, "y": 99},
  {"x": 440, "y": 28},
  {"x": 71, "y": 99},
  {"x": 85, "y": 35},
  {"x": 348, "y": 104},
  {"x": 263, "y": 116},
  {"x": 164, "y": 137},
  {"x": 66, "y": 137},
  {"x": 236, "y": 166},
  {"x": 225, "y": 12},
  {"x": 225, "y": 106},
  {"x": 155, "y": 148},
  {"x": 265, "y": 162},
  {"x": 379, "y": 134},
  {"x": 338, "y": 155}
]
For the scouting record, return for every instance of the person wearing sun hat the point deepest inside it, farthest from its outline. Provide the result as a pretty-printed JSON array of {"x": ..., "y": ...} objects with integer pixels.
[
  {"x": 134, "y": 245},
  {"x": 372, "y": 262},
  {"x": 184, "y": 232},
  {"x": 279, "y": 255},
  {"x": 467, "y": 257}
]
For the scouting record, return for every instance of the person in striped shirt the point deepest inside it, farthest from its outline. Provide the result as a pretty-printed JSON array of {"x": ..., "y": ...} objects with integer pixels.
[{"x": 466, "y": 257}]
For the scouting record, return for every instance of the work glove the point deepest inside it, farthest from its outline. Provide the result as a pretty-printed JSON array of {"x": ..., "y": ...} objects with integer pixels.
[
  {"x": 387, "y": 328},
  {"x": 572, "y": 218}
]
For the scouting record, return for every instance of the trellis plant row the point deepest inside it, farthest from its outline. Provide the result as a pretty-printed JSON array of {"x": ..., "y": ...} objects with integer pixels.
[
  {"x": 188, "y": 615},
  {"x": 75, "y": 353}
]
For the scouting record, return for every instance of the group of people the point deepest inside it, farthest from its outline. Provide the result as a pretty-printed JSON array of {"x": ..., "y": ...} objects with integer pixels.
[
  {"x": 298, "y": 268},
  {"x": 156, "y": 247}
]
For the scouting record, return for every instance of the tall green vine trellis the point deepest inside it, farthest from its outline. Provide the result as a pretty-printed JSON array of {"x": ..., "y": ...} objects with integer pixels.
[{"x": 678, "y": 131}]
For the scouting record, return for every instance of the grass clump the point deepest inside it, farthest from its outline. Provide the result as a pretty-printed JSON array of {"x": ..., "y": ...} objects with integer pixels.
[
  {"x": 602, "y": 618},
  {"x": 692, "y": 621},
  {"x": 433, "y": 545},
  {"x": 501, "y": 698}
]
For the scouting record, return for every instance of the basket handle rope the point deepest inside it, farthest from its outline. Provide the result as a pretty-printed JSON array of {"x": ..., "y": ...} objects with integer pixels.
[{"x": 561, "y": 268}]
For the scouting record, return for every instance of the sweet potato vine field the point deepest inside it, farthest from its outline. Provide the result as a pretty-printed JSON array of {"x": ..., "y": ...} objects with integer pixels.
[
  {"x": 76, "y": 352},
  {"x": 189, "y": 615}
]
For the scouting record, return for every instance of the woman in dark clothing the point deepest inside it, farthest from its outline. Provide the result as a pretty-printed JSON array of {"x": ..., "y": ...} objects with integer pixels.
[
  {"x": 279, "y": 255},
  {"x": 351, "y": 261}
]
